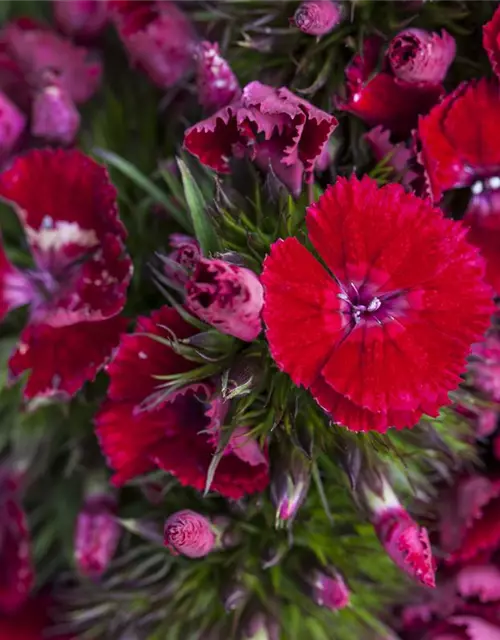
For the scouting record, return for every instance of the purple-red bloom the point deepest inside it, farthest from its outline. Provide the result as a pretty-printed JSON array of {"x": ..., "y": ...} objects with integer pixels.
[
  {"x": 190, "y": 534},
  {"x": 141, "y": 428},
  {"x": 12, "y": 124},
  {"x": 226, "y": 296},
  {"x": 317, "y": 17},
  {"x": 491, "y": 41},
  {"x": 97, "y": 534},
  {"x": 271, "y": 126},
  {"x": 418, "y": 56},
  {"x": 329, "y": 590},
  {"x": 77, "y": 288},
  {"x": 216, "y": 82},
  {"x": 17, "y": 571},
  {"x": 349, "y": 332},
  {"x": 55, "y": 117},
  {"x": 378, "y": 97},
  {"x": 83, "y": 19},
  {"x": 159, "y": 39}
]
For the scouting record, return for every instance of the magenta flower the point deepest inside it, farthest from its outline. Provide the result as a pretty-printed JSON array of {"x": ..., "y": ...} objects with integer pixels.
[
  {"x": 418, "y": 56},
  {"x": 484, "y": 366},
  {"x": 97, "y": 534},
  {"x": 329, "y": 590},
  {"x": 159, "y": 39},
  {"x": 77, "y": 288},
  {"x": 271, "y": 126},
  {"x": 317, "y": 17},
  {"x": 217, "y": 84},
  {"x": 491, "y": 41},
  {"x": 405, "y": 542},
  {"x": 83, "y": 19},
  {"x": 12, "y": 124},
  {"x": 226, "y": 296},
  {"x": 54, "y": 116},
  {"x": 190, "y": 534}
]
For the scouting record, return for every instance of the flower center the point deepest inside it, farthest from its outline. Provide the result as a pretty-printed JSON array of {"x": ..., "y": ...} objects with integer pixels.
[
  {"x": 363, "y": 306},
  {"x": 488, "y": 184}
]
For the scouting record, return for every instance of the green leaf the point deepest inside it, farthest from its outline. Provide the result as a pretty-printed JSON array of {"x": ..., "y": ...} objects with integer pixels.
[
  {"x": 142, "y": 181},
  {"x": 203, "y": 228}
]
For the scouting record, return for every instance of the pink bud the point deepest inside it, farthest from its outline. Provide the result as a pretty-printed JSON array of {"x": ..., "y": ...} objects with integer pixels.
[
  {"x": 182, "y": 260},
  {"x": 81, "y": 18},
  {"x": 54, "y": 116},
  {"x": 226, "y": 296},
  {"x": 190, "y": 534},
  {"x": 406, "y": 543},
  {"x": 97, "y": 535},
  {"x": 419, "y": 56},
  {"x": 12, "y": 123},
  {"x": 317, "y": 17},
  {"x": 260, "y": 626},
  {"x": 330, "y": 591},
  {"x": 290, "y": 483},
  {"x": 217, "y": 84}
]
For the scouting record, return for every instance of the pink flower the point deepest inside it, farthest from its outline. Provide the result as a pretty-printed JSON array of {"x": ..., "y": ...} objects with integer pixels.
[
  {"x": 418, "y": 56},
  {"x": 81, "y": 18},
  {"x": 217, "y": 84},
  {"x": 484, "y": 366},
  {"x": 397, "y": 156},
  {"x": 406, "y": 543},
  {"x": 317, "y": 17},
  {"x": 97, "y": 535},
  {"x": 190, "y": 534},
  {"x": 226, "y": 296},
  {"x": 77, "y": 288},
  {"x": 159, "y": 39},
  {"x": 329, "y": 590},
  {"x": 17, "y": 572},
  {"x": 491, "y": 41},
  {"x": 54, "y": 115},
  {"x": 179, "y": 264},
  {"x": 12, "y": 124},
  {"x": 380, "y": 98},
  {"x": 271, "y": 126}
]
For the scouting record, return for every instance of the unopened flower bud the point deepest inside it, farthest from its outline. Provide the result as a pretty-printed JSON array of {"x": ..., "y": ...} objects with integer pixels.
[
  {"x": 217, "y": 84},
  {"x": 55, "y": 117},
  {"x": 81, "y": 18},
  {"x": 234, "y": 596},
  {"x": 97, "y": 535},
  {"x": 190, "y": 534},
  {"x": 291, "y": 476},
  {"x": 260, "y": 626},
  {"x": 418, "y": 56},
  {"x": 406, "y": 543},
  {"x": 329, "y": 589},
  {"x": 317, "y": 17},
  {"x": 226, "y": 296},
  {"x": 185, "y": 253}
]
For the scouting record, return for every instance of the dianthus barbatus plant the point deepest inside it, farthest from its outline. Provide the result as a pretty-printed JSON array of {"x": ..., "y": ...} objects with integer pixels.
[{"x": 248, "y": 347}]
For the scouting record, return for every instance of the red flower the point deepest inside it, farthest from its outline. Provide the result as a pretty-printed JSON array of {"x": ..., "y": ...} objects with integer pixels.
[
  {"x": 158, "y": 37},
  {"x": 67, "y": 207},
  {"x": 379, "y": 98},
  {"x": 217, "y": 84},
  {"x": 317, "y": 17},
  {"x": 16, "y": 569},
  {"x": 189, "y": 533},
  {"x": 491, "y": 41},
  {"x": 139, "y": 429},
  {"x": 97, "y": 535},
  {"x": 470, "y": 518},
  {"x": 391, "y": 301},
  {"x": 419, "y": 56},
  {"x": 81, "y": 18},
  {"x": 271, "y": 126}
]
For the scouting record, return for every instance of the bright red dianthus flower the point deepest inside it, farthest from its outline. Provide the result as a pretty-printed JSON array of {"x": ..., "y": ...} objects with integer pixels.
[{"x": 380, "y": 337}]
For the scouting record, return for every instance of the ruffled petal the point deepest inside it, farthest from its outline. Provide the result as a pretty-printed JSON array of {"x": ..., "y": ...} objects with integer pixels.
[{"x": 491, "y": 41}]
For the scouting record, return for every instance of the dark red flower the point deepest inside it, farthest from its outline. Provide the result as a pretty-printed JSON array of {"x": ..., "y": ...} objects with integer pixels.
[
  {"x": 491, "y": 41},
  {"x": 81, "y": 18},
  {"x": 67, "y": 206},
  {"x": 140, "y": 429},
  {"x": 189, "y": 533},
  {"x": 216, "y": 82},
  {"x": 158, "y": 37},
  {"x": 470, "y": 518},
  {"x": 317, "y": 17},
  {"x": 271, "y": 126},
  {"x": 379, "y": 98},
  {"x": 390, "y": 300},
  {"x": 16, "y": 569},
  {"x": 97, "y": 534},
  {"x": 419, "y": 56}
]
